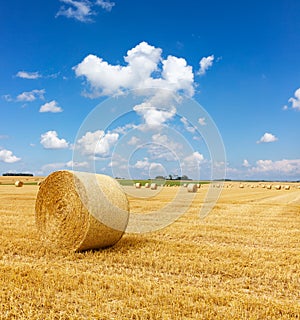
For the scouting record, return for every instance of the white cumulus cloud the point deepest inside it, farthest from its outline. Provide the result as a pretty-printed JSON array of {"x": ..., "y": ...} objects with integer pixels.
[
  {"x": 8, "y": 156},
  {"x": 30, "y": 96},
  {"x": 51, "y": 106},
  {"x": 97, "y": 143},
  {"x": 267, "y": 137},
  {"x": 205, "y": 64},
  {"x": 50, "y": 140},
  {"x": 28, "y": 75},
  {"x": 149, "y": 166},
  {"x": 142, "y": 61},
  {"x": 246, "y": 163},
  {"x": 285, "y": 166},
  {"x": 144, "y": 67},
  {"x": 133, "y": 141},
  {"x": 295, "y": 101}
]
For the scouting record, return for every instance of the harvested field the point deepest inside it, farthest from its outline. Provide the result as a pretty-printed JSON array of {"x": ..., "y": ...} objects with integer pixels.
[{"x": 241, "y": 262}]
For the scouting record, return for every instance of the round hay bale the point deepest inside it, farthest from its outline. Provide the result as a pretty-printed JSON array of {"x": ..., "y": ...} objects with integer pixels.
[
  {"x": 153, "y": 186},
  {"x": 19, "y": 184},
  {"x": 263, "y": 186},
  {"x": 138, "y": 185},
  {"x": 147, "y": 185},
  {"x": 192, "y": 187},
  {"x": 278, "y": 187},
  {"x": 198, "y": 185},
  {"x": 78, "y": 211},
  {"x": 185, "y": 185},
  {"x": 269, "y": 187},
  {"x": 287, "y": 187},
  {"x": 241, "y": 186}
]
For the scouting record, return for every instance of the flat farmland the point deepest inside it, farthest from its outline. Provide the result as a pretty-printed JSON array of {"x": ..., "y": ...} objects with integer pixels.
[{"x": 240, "y": 262}]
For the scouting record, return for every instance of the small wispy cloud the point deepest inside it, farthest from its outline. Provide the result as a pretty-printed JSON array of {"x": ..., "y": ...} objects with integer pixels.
[
  {"x": 106, "y": 5},
  {"x": 28, "y": 75},
  {"x": 82, "y": 10},
  {"x": 187, "y": 125},
  {"x": 30, "y": 96},
  {"x": 202, "y": 121},
  {"x": 267, "y": 138},
  {"x": 51, "y": 106},
  {"x": 205, "y": 64}
]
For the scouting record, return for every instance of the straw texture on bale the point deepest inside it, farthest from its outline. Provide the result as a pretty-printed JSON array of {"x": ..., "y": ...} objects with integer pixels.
[
  {"x": 192, "y": 187},
  {"x": 77, "y": 211},
  {"x": 153, "y": 186},
  {"x": 19, "y": 183}
]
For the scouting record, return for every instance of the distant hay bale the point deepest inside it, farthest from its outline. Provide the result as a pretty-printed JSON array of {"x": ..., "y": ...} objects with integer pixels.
[
  {"x": 263, "y": 186},
  {"x": 277, "y": 187},
  {"x": 138, "y": 185},
  {"x": 153, "y": 186},
  {"x": 198, "y": 185},
  {"x": 241, "y": 186},
  {"x": 185, "y": 185},
  {"x": 19, "y": 184},
  {"x": 192, "y": 187},
  {"x": 269, "y": 187},
  {"x": 287, "y": 187},
  {"x": 77, "y": 211},
  {"x": 147, "y": 185},
  {"x": 39, "y": 183}
]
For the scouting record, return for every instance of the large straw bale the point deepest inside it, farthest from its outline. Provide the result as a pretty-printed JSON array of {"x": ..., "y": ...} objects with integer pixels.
[{"x": 79, "y": 211}]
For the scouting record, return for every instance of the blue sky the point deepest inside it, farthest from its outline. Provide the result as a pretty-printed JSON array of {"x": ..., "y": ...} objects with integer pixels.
[{"x": 239, "y": 61}]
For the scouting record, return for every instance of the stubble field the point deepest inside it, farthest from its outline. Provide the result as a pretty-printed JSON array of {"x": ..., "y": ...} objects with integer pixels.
[{"x": 241, "y": 262}]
